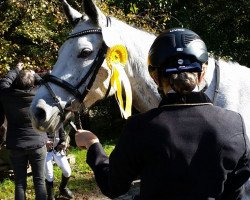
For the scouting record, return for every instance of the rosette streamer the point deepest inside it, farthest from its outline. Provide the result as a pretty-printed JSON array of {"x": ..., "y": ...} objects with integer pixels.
[{"x": 116, "y": 59}]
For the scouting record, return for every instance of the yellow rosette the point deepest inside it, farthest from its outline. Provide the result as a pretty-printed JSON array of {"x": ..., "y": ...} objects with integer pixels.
[{"x": 116, "y": 59}]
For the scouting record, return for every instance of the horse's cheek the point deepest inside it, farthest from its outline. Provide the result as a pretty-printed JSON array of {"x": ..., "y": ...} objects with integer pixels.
[{"x": 102, "y": 79}]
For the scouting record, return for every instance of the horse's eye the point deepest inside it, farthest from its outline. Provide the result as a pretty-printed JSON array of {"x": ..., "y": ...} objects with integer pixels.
[{"x": 85, "y": 53}]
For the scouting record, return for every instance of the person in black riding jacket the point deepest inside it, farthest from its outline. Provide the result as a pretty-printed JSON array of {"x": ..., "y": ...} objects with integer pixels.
[
  {"x": 187, "y": 148},
  {"x": 26, "y": 145}
]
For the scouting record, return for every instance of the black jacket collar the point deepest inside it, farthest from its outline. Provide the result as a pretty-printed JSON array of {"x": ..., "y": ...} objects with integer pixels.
[{"x": 192, "y": 98}]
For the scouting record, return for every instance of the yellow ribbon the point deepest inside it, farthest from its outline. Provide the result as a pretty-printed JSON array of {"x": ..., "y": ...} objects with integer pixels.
[{"x": 116, "y": 59}]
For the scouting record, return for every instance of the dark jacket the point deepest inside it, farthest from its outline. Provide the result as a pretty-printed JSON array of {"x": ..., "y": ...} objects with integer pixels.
[
  {"x": 15, "y": 102},
  {"x": 2, "y": 117},
  {"x": 2, "y": 127},
  {"x": 58, "y": 138},
  {"x": 192, "y": 151}
]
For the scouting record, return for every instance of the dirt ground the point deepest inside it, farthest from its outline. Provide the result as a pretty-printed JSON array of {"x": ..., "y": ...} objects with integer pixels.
[
  {"x": 94, "y": 196},
  {"x": 97, "y": 195}
]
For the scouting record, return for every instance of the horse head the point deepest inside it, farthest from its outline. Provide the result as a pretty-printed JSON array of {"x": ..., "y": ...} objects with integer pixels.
[{"x": 79, "y": 75}]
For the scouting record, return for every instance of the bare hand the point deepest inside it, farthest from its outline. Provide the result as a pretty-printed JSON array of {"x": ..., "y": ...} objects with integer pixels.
[
  {"x": 20, "y": 65},
  {"x": 84, "y": 139}
]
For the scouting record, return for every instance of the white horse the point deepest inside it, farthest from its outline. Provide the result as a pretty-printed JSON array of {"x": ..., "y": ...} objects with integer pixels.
[
  {"x": 82, "y": 74},
  {"x": 76, "y": 57},
  {"x": 230, "y": 89}
]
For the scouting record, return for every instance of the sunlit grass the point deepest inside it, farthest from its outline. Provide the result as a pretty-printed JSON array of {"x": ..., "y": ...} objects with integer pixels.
[
  {"x": 82, "y": 179},
  {"x": 7, "y": 188}
]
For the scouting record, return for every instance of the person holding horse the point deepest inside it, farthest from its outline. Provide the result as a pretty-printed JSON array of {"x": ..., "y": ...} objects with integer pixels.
[
  {"x": 26, "y": 145},
  {"x": 186, "y": 148},
  {"x": 56, "y": 147}
]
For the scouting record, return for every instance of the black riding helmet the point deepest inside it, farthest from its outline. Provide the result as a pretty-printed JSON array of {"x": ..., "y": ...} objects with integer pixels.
[{"x": 177, "y": 50}]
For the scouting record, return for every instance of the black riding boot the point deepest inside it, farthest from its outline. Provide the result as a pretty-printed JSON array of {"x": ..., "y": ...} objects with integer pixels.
[
  {"x": 64, "y": 191},
  {"x": 50, "y": 190}
]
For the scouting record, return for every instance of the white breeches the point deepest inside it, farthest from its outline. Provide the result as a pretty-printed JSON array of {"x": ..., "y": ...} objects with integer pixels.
[{"x": 61, "y": 161}]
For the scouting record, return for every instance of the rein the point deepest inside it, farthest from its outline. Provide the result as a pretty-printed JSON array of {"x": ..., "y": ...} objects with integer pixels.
[
  {"x": 74, "y": 90},
  {"x": 217, "y": 86}
]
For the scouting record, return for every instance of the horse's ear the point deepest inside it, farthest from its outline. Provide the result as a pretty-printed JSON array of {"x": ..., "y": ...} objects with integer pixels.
[
  {"x": 94, "y": 13},
  {"x": 72, "y": 14},
  {"x": 111, "y": 37}
]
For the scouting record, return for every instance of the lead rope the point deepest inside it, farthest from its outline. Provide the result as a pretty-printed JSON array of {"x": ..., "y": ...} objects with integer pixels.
[{"x": 78, "y": 121}]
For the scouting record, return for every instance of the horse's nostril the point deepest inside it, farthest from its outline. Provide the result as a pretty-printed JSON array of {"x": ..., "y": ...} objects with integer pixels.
[{"x": 40, "y": 114}]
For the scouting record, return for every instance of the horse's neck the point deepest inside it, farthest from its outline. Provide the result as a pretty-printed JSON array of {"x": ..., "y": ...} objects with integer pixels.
[{"x": 145, "y": 95}]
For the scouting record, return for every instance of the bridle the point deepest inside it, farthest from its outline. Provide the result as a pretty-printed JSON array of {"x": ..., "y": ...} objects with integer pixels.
[{"x": 74, "y": 90}]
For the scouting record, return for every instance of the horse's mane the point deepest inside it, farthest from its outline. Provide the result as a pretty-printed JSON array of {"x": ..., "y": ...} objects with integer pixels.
[{"x": 137, "y": 41}]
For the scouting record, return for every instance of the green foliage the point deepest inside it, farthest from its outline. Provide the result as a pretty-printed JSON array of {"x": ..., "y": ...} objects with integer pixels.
[
  {"x": 222, "y": 24},
  {"x": 31, "y": 31},
  {"x": 7, "y": 188},
  {"x": 34, "y": 30}
]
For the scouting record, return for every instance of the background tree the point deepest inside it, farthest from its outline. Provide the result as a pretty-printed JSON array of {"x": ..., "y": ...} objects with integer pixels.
[
  {"x": 221, "y": 23},
  {"x": 34, "y": 30}
]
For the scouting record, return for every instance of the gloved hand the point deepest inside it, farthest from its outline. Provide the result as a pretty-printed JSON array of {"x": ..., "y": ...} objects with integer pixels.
[{"x": 61, "y": 146}]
